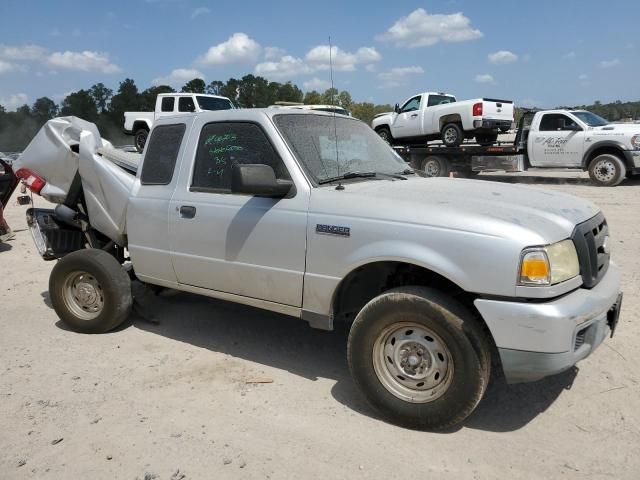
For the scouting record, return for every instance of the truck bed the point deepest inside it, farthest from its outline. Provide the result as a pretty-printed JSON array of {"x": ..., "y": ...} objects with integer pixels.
[{"x": 126, "y": 160}]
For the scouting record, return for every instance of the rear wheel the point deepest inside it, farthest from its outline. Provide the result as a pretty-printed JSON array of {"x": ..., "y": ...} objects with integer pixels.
[
  {"x": 140, "y": 139},
  {"x": 435, "y": 166},
  {"x": 607, "y": 170},
  {"x": 419, "y": 357},
  {"x": 90, "y": 291},
  {"x": 385, "y": 134},
  {"x": 452, "y": 135}
]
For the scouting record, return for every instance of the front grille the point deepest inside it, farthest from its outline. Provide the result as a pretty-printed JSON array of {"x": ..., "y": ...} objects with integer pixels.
[{"x": 593, "y": 255}]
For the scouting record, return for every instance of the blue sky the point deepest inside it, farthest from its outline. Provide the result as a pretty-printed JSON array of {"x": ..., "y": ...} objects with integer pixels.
[{"x": 539, "y": 53}]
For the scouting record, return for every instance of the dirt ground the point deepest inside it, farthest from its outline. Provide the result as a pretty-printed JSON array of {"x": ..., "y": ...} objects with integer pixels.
[{"x": 176, "y": 400}]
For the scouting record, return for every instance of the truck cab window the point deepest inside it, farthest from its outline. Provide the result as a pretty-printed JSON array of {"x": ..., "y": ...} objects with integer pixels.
[
  {"x": 411, "y": 105},
  {"x": 440, "y": 100},
  {"x": 221, "y": 145},
  {"x": 553, "y": 122},
  {"x": 185, "y": 104},
  {"x": 162, "y": 153},
  {"x": 168, "y": 104}
]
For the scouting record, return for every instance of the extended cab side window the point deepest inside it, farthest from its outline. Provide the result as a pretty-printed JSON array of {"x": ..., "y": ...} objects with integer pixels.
[
  {"x": 553, "y": 122},
  {"x": 411, "y": 105},
  {"x": 185, "y": 104},
  {"x": 167, "y": 104},
  {"x": 222, "y": 145},
  {"x": 162, "y": 153}
]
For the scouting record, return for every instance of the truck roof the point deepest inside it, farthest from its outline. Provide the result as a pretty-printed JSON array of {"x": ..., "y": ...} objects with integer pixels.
[
  {"x": 247, "y": 114},
  {"x": 188, "y": 94}
]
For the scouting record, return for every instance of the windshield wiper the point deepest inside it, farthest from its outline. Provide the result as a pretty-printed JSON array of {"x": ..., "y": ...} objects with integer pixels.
[{"x": 346, "y": 176}]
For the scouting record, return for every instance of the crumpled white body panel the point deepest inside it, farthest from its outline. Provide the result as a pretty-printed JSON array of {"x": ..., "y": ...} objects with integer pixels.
[{"x": 106, "y": 186}]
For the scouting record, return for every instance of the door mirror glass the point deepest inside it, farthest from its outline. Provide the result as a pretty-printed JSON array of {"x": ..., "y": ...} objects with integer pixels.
[{"x": 258, "y": 179}]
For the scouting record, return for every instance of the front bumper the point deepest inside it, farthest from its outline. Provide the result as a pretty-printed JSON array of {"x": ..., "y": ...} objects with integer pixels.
[
  {"x": 633, "y": 158},
  {"x": 537, "y": 339}
]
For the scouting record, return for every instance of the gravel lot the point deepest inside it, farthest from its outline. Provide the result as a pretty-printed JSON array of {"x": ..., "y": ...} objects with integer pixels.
[{"x": 177, "y": 399}]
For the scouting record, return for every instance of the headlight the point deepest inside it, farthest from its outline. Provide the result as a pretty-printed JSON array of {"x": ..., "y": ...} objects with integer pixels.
[
  {"x": 542, "y": 266},
  {"x": 635, "y": 142}
]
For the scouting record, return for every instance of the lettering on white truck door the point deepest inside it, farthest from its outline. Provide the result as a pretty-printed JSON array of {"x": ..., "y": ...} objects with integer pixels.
[
  {"x": 234, "y": 243},
  {"x": 559, "y": 142}
]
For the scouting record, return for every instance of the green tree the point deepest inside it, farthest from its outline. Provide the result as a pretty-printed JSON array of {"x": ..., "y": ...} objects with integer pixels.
[
  {"x": 364, "y": 111},
  {"x": 127, "y": 99},
  {"x": 215, "y": 87},
  {"x": 44, "y": 109},
  {"x": 80, "y": 104},
  {"x": 288, "y": 92},
  {"x": 344, "y": 99},
  {"x": 148, "y": 96},
  {"x": 330, "y": 96},
  {"x": 101, "y": 96},
  {"x": 312, "y": 98},
  {"x": 230, "y": 90},
  {"x": 196, "y": 85}
]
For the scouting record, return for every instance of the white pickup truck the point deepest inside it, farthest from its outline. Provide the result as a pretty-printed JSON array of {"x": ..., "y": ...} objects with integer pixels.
[
  {"x": 439, "y": 116},
  {"x": 567, "y": 139},
  {"x": 312, "y": 215},
  {"x": 139, "y": 124}
]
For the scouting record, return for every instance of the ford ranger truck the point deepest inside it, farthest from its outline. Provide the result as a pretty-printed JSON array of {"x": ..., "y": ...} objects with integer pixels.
[
  {"x": 439, "y": 116},
  {"x": 312, "y": 215}
]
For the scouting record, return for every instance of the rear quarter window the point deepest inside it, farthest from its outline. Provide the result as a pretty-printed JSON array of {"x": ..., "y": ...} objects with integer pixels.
[{"x": 161, "y": 155}]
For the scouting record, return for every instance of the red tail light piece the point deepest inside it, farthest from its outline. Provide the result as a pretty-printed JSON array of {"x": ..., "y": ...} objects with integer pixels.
[
  {"x": 32, "y": 180},
  {"x": 477, "y": 109}
]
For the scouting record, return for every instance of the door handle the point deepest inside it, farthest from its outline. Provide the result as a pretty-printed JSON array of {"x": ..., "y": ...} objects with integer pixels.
[
  {"x": 187, "y": 211},
  {"x": 414, "y": 115}
]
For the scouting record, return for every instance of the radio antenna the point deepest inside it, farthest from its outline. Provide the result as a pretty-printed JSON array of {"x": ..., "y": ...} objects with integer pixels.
[{"x": 335, "y": 126}]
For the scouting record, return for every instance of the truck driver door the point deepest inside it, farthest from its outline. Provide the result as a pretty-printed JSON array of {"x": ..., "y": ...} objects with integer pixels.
[
  {"x": 236, "y": 243},
  {"x": 559, "y": 142},
  {"x": 407, "y": 122}
]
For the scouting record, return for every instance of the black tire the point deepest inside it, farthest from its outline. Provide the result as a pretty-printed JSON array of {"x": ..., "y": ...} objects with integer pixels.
[
  {"x": 90, "y": 291},
  {"x": 385, "y": 134},
  {"x": 435, "y": 166},
  {"x": 468, "y": 351},
  {"x": 452, "y": 135},
  {"x": 607, "y": 170},
  {"x": 486, "y": 139},
  {"x": 140, "y": 139}
]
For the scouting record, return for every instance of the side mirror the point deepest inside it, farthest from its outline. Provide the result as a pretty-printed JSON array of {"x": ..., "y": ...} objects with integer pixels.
[
  {"x": 396, "y": 108},
  {"x": 258, "y": 179}
]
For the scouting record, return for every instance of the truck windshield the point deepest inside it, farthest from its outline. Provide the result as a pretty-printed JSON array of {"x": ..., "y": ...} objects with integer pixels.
[
  {"x": 212, "y": 103},
  {"x": 591, "y": 119},
  {"x": 312, "y": 138}
]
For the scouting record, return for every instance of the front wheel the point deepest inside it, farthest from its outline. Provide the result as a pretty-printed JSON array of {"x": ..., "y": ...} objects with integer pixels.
[
  {"x": 140, "y": 139},
  {"x": 90, "y": 291},
  {"x": 385, "y": 134},
  {"x": 419, "y": 357},
  {"x": 607, "y": 170}
]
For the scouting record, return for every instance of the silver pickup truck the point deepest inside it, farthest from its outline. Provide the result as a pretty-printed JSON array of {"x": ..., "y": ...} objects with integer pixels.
[{"x": 313, "y": 215}]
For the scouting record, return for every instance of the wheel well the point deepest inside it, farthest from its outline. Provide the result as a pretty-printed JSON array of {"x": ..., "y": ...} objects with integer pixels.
[
  {"x": 453, "y": 118},
  {"x": 140, "y": 125},
  {"x": 380, "y": 127},
  {"x": 611, "y": 150}
]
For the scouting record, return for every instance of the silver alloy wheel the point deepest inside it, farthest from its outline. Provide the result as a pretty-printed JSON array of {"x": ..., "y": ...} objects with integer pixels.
[
  {"x": 83, "y": 295},
  {"x": 450, "y": 135},
  {"x": 412, "y": 362},
  {"x": 432, "y": 168},
  {"x": 604, "y": 170}
]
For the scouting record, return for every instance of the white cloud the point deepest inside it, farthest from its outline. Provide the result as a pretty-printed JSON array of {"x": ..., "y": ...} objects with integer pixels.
[
  {"x": 7, "y": 67},
  {"x": 318, "y": 57},
  {"x": 571, "y": 54},
  {"x": 397, "y": 76},
  {"x": 12, "y": 102},
  {"x": 502, "y": 57},
  {"x": 238, "y": 48},
  {"x": 85, "y": 61},
  {"x": 273, "y": 53},
  {"x": 421, "y": 29},
  {"x": 22, "y": 52},
  {"x": 200, "y": 11},
  {"x": 317, "y": 84},
  {"x": 284, "y": 68},
  {"x": 178, "y": 77},
  {"x": 484, "y": 78},
  {"x": 583, "y": 76},
  {"x": 609, "y": 63}
]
